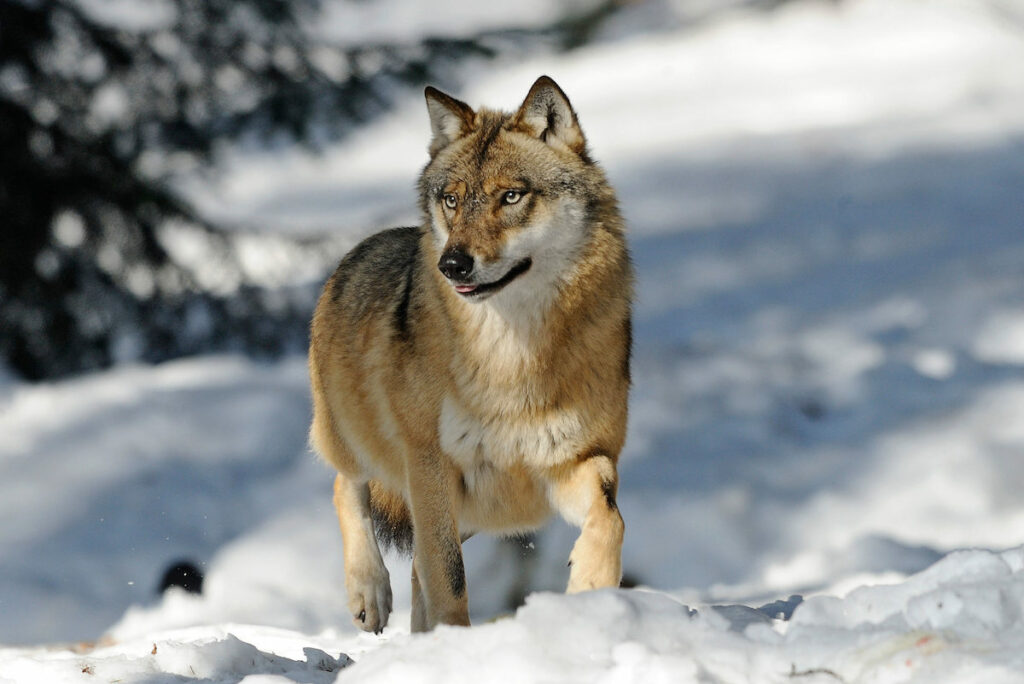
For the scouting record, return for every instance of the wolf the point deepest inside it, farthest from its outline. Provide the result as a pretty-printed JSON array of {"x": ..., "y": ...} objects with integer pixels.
[{"x": 472, "y": 374}]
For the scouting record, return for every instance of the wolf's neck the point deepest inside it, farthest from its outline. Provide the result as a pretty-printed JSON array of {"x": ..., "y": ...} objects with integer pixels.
[
  {"x": 501, "y": 359},
  {"x": 505, "y": 330}
]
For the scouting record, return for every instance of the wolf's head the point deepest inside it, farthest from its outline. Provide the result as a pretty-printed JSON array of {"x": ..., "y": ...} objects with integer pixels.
[{"x": 509, "y": 197}]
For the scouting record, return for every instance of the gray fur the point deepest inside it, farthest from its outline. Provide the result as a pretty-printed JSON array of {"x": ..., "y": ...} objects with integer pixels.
[{"x": 377, "y": 274}]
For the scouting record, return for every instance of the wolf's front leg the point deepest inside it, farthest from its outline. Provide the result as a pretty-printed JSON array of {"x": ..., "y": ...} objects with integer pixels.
[
  {"x": 437, "y": 549},
  {"x": 584, "y": 493},
  {"x": 366, "y": 578}
]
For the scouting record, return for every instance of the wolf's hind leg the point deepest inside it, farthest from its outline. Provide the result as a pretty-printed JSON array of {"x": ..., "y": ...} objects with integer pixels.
[
  {"x": 366, "y": 578},
  {"x": 584, "y": 493},
  {"x": 418, "y": 622}
]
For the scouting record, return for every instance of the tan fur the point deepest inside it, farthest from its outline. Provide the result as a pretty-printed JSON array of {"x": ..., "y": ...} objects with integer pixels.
[{"x": 466, "y": 416}]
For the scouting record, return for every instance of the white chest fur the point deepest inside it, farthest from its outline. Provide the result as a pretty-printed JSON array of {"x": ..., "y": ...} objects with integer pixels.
[{"x": 473, "y": 440}]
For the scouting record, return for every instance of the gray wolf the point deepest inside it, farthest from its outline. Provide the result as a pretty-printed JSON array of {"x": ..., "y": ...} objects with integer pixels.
[{"x": 472, "y": 374}]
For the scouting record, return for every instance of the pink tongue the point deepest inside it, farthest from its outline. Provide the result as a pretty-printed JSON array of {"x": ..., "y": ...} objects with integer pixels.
[{"x": 463, "y": 289}]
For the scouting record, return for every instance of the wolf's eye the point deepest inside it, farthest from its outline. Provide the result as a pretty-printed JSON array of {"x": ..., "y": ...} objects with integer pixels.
[
  {"x": 511, "y": 197},
  {"x": 450, "y": 200}
]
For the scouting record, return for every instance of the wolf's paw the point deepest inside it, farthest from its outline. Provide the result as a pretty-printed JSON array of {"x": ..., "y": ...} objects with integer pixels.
[{"x": 369, "y": 597}]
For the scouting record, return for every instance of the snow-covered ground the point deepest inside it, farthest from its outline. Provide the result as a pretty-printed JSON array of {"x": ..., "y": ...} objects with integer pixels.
[
  {"x": 827, "y": 215},
  {"x": 960, "y": 621}
]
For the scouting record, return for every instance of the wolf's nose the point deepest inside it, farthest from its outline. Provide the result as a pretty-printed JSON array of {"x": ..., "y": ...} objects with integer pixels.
[{"x": 455, "y": 264}]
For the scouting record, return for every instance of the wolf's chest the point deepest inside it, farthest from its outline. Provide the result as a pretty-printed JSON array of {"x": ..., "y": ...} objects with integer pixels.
[{"x": 505, "y": 439}]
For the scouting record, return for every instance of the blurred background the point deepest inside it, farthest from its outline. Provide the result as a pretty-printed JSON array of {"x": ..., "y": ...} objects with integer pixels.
[{"x": 826, "y": 206}]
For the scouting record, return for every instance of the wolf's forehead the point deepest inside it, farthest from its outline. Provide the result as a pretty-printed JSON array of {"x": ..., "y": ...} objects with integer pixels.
[
  {"x": 491, "y": 158},
  {"x": 502, "y": 161},
  {"x": 489, "y": 151}
]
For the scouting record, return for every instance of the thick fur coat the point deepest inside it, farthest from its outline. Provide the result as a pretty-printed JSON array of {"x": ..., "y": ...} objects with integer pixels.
[{"x": 472, "y": 374}]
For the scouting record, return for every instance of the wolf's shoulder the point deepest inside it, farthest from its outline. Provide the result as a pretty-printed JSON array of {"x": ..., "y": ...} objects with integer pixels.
[
  {"x": 381, "y": 256},
  {"x": 383, "y": 249}
]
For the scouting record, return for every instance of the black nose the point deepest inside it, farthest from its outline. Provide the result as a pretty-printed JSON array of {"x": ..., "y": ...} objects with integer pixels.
[{"x": 455, "y": 264}]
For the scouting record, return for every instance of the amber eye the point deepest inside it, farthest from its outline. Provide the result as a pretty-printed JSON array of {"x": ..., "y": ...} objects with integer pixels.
[
  {"x": 451, "y": 201},
  {"x": 511, "y": 197}
]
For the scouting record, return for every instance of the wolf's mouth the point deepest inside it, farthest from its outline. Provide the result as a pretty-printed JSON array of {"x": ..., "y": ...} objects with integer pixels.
[{"x": 469, "y": 290}]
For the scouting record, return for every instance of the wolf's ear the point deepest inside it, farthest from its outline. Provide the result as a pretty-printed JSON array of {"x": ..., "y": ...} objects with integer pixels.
[
  {"x": 547, "y": 114},
  {"x": 450, "y": 119}
]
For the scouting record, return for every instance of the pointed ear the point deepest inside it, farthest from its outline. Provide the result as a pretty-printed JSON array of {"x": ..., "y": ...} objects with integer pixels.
[
  {"x": 450, "y": 119},
  {"x": 546, "y": 114}
]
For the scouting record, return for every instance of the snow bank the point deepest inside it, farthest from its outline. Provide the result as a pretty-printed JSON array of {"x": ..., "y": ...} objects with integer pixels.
[
  {"x": 210, "y": 655},
  {"x": 961, "y": 620},
  {"x": 958, "y": 621}
]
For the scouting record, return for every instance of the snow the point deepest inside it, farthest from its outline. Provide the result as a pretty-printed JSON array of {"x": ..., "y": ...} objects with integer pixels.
[
  {"x": 960, "y": 620},
  {"x": 208, "y": 655},
  {"x": 825, "y": 214},
  {"x": 389, "y": 21},
  {"x": 1001, "y": 339},
  {"x": 129, "y": 15},
  {"x": 929, "y": 627}
]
